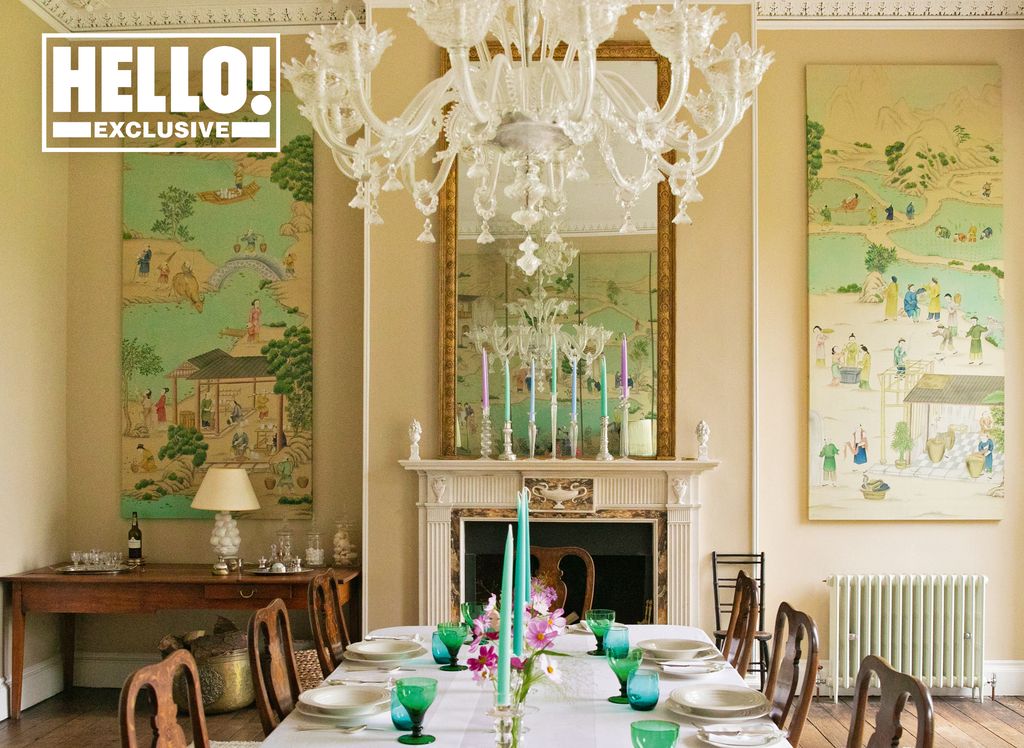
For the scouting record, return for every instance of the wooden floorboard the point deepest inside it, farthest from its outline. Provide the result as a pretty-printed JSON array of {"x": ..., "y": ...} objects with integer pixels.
[{"x": 87, "y": 718}]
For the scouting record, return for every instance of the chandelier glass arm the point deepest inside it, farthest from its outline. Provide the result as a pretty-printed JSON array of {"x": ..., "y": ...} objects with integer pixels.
[{"x": 463, "y": 80}]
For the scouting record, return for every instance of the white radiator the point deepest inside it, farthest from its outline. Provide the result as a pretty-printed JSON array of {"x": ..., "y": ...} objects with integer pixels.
[{"x": 930, "y": 626}]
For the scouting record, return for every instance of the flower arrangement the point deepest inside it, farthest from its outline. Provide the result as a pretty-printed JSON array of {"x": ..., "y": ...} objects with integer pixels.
[{"x": 541, "y": 626}]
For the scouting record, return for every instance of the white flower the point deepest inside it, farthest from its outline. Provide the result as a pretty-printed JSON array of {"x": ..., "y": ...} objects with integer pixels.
[{"x": 548, "y": 668}]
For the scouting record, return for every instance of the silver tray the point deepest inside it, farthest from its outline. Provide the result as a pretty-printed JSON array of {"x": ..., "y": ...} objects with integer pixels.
[
  {"x": 90, "y": 569},
  {"x": 269, "y": 573}
]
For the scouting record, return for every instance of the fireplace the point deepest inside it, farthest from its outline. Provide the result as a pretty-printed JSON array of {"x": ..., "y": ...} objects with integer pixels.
[
  {"x": 623, "y": 553},
  {"x": 461, "y": 503}
]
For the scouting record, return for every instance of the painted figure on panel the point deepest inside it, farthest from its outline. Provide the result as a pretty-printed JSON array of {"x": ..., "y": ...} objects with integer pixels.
[
  {"x": 904, "y": 211},
  {"x": 216, "y": 356}
]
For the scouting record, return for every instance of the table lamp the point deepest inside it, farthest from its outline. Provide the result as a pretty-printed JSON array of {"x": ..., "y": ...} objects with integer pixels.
[{"x": 225, "y": 490}]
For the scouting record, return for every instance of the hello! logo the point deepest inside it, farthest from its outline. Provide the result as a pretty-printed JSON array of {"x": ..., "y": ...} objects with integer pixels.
[{"x": 161, "y": 92}]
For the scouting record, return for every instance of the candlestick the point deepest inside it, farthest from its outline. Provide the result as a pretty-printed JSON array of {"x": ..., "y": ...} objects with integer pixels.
[
  {"x": 624, "y": 430},
  {"x": 531, "y": 432},
  {"x": 504, "y": 723},
  {"x": 603, "y": 453},
  {"x": 486, "y": 398},
  {"x": 533, "y": 389},
  {"x": 507, "y": 453},
  {"x": 624, "y": 369},
  {"x": 554, "y": 426},
  {"x": 572, "y": 407},
  {"x": 554, "y": 365},
  {"x": 485, "y": 434},
  {"x": 505, "y": 624},
  {"x": 574, "y": 435},
  {"x": 604, "y": 387},
  {"x": 508, "y": 397}
]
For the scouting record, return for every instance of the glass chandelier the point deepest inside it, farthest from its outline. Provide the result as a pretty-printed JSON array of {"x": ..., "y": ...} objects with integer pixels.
[{"x": 523, "y": 115}]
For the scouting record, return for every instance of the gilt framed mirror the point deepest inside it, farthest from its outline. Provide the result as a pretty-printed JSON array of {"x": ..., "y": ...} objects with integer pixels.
[{"x": 623, "y": 283}]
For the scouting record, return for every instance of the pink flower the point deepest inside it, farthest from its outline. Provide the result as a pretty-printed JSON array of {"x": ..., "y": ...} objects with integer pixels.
[
  {"x": 517, "y": 663},
  {"x": 555, "y": 619},
  {"x": 540, "y": 634},
  {"x": 482, "y": 664}
]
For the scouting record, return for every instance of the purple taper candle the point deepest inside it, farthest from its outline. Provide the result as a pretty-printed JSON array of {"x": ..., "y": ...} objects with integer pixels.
[
  {"x": 483, "y": 374},
  {"x": 625, "y": 369}
]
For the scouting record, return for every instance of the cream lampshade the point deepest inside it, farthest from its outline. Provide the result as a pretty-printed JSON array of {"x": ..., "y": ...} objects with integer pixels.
[{"x": 225, "y": 490}]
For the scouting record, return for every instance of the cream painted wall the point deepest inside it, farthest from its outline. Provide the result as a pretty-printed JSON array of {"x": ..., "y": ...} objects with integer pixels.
[
  {"x": 94, "y": 311},
  {"x": 801, "y": 552},
  {"x": 33, "y": 326},
  {"x": 713, "y": 254}
]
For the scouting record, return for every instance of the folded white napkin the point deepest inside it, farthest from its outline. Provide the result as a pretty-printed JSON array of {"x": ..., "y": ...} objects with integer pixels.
[{"x": 741, "y": 735}]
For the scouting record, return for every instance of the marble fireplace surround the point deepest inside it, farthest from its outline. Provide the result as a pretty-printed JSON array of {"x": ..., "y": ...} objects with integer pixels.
[{"x": 663, "y": 493}]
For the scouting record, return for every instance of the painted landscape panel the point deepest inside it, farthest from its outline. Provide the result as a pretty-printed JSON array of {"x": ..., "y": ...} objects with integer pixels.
[
  {"x": 906, "y": 285},
  {"x": 216, "y": 358}
]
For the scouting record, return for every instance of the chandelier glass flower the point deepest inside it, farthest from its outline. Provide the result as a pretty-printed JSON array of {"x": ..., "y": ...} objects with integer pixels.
[{"x": 522, "y": 115}]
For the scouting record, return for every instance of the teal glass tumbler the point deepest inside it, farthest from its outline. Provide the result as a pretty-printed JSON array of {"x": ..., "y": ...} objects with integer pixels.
[
  {"x": 617, "y": 639},
  {"x": 439, "y": 650},
  {"x": 643, "y": 689},
  {"x": 399, "y": 715},
  {"x": 653, "y": 733}
]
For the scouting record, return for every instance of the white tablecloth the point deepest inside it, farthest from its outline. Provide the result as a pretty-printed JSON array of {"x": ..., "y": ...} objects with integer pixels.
[{"x": 572, "y": 715}]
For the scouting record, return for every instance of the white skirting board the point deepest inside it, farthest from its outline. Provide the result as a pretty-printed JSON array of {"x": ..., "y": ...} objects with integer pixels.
[
  {"x": 41, "y": 681},
  {"x": 1009, "y": 677}
]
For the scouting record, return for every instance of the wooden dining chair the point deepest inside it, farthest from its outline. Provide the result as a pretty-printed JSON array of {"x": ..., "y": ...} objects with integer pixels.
[
  {"x": 724, "y": 567},
  {"x": 157, "y": 681},
  {"x": 739, "y": 636},
  {"x": 549, "y": 571},
  {"x": 327, "y": 621},
  {"x": 274, "y": 672},
  {"x": 896, "y": 689},
  {"x": 796, "y": 644}
]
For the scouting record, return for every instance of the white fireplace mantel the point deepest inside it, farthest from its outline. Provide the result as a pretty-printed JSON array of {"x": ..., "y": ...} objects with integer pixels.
[{"x": 664, "y": 493}]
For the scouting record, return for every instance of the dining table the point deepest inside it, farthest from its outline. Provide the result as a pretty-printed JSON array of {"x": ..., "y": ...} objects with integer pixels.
[{"x": 572, "y": 713}]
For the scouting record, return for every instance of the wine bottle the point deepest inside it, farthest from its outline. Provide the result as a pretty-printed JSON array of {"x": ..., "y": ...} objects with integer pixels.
[{"x": 135, "y": 540}]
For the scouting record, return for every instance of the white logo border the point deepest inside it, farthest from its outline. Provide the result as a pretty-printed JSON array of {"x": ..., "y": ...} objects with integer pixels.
[{"x": 45, "y": 103}]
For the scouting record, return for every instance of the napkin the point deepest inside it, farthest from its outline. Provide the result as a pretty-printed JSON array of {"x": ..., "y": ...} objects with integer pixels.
[{"x": 740, "y": 735}]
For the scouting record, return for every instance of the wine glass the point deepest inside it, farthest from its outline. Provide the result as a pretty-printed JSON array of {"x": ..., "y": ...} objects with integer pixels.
[
  {"x": 653, "y": 733},
  {"x": 453, "y": 635},
  {"x": 416, "y": 695},
  {"x": 617, "y": 639},
  {"x": 623, "y": 664},
  {"x": 599, "y": 620},
  {"x": 643, "y": 688}
]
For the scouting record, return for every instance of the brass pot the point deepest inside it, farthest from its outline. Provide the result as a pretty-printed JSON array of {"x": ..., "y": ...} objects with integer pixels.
[{"x": 225, "y": 680}]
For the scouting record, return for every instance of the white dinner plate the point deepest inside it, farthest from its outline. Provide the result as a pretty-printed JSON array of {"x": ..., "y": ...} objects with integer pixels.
[
  {"x": 340, "y": 721},
  {"x": 342, "y": 701},
  {"x": 722, "y": 699},
  {"x": 384, "y": 649},
  {"x": 357, "y": 659},
  {"x": 739, "y": 736},
  {"x": 701, "y": 719},
  {"x": 675, "y": 649}
]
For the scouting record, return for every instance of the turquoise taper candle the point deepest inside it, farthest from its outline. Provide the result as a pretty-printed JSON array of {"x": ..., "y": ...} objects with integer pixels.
[
  {"x": 517, "y": 613},
  {"x": 505, "y": 624},
  {"x": 525, "y": 493}
]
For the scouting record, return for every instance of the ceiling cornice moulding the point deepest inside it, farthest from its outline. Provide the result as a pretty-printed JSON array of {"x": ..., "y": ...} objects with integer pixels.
[
  {"x": 150, "y": 15},
  {"x": 889, "y": 10}
]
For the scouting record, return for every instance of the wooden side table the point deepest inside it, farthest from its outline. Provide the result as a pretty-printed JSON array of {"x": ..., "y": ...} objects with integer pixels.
[{"x": 149, "y": 589}]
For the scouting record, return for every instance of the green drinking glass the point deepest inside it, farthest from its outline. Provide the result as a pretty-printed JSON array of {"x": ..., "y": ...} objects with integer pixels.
[
  {"x": 599, "y": 620},
  {"x": 416, "y": 695},
  {"x": 622, "y": 664},
  {"x": 471, "y": 611},
  {"x": 453, "y": 635},
  {"x": 653, "y": 733}
]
